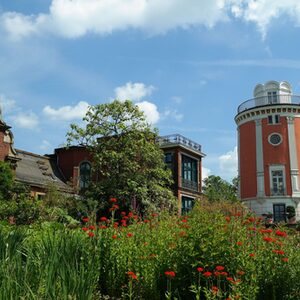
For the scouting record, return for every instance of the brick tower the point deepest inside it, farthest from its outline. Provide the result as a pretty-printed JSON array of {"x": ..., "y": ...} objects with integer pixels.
[{"x": 269, "y": 150}]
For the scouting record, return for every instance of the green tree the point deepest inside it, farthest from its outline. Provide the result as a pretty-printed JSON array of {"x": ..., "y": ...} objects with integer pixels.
[
  {"x": 126, "y": 156},
  {"x": 6, "y": 180},
  {"x": 217, "y": 189}
]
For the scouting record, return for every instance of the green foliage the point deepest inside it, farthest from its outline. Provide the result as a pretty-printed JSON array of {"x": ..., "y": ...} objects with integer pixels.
[
  {"x": 54, "y": 262},
  {"x": 217, "y": 189},
  {"x": 125, "y": 156},
  {"x": 291, "y": 212},
  {"x": 6, "y": 180}
]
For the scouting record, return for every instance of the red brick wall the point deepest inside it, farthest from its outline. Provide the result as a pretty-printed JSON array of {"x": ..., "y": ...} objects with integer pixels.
[{"x": 4, "y": 147}]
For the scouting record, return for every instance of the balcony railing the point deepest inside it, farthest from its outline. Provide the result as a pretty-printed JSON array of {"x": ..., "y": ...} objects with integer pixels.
[
  {"x": 277, "y": 192},
  {"x": 188, "y": 184},
  {"x": 269, "y": 100},
  {"x": 177, "y": 139}
]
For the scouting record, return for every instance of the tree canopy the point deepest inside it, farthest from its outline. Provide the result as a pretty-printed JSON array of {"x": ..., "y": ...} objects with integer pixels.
[
  {"x": 126, "y": 156},
  {"x": 217, "y": 189}
]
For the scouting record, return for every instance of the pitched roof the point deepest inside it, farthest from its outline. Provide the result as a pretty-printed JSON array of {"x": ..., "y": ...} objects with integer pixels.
[{"x": 40, "y": 171}]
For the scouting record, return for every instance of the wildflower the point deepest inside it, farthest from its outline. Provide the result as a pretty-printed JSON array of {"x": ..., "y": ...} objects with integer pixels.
[
  {"x": 102, "y": 227},
  {"x": 85, "y": 219},
  {"x": 113, "y": 200},
  {"x": 228, "y": 219},
  {"x": 132, "y": 275},
  {"x": 217, "y": 274},
  {"x": 239, "y": 243},
  {"x": 281, "y": 233},
  {"x": 92, "y": 227},
  {"x": 182, "y": 233},
  {"x": 114, "y": 237},
  {"x": 184, "y": 220},
  {"x": 285, "y": 259},
  {"x": 154, "y": 215},
  {"x": 252, "y": 228},
  {"x": 123, "y": 213},
  {"x": 223, "y": 273},
  {"x": 268, "y": 239},
  {"x": 280, "y": 252},
  {"x": 199, "y": 269},
  {"x": 85, "y": 229},
  {"x": 214, "y": 289},
  {"x": 207, "y": 274},
  {"x": 130, "y": 214},
  {"x": 219, "y": 268},
  {"x": 252, "y": 254},
  {"x": 146, "y": 221},
  {"x": 91, "y": 233},
  {"x": 129, "y": 234},
  {"x": 103, "y": 219},
  {"x": 170, "y": 274},
  {"x": 241, "y": 273}
]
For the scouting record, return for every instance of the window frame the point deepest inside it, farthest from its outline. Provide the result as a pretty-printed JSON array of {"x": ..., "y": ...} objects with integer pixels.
[
  {"x": 274, "y": 168},
  {"x": 84, "y": 180}
]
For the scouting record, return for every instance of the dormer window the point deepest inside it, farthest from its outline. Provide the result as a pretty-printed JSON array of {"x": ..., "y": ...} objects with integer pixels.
[{"x": 272, "y": 97}]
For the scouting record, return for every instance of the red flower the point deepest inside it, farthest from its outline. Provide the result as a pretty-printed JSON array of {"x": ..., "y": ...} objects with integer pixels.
[
  {"x": 285, "y": 259},
  {"x": 85, "y": 219},
  {"x": 214, "y": 289},
  {"x": 252, "y": 228},
  {"x": 113, "y": 200},
  {"x": 146, "y": 221},
  {"x": 268, "y": 239},
  {"x": 114, "y": 237},
  {"x": 223, "y": 273},
  {"x": 102, "y": 227},
  {"x": 239, "y": 243},
  {"x": 280, "y": 252},
  {"x": 228, "y": 219},
  {"x": 123, "y": 213},
  {"x": 252, "y": 254},
  {"x": 132, "y": 275},
  {"x": 154, "y": 215},
  {"x": 184, "y": 220},
  {"x": 266, "y": 230},
  {"x": 85, "y": 229},
  {"x": 199, "y": 269},
  {"x": 241, "y": 273},
  {"x": 103, "y": 219},
  {"x": 207, "y": 274},
  {"x": 217, "y": 274},
  {"x": 92, "y": 227},
  {"x": 219, "y": 268},
  {"x": 280, "y": 233},
  {"x": 170, "y": 274},
  {"x": 130, "y": 214},
  {"x": 129, "y": 234},
  {"x": 91, "y": 233}
]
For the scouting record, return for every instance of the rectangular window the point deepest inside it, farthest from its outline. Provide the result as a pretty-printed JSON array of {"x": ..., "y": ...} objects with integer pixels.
[
  {"x": 279, "y": 212},
  {"x": 273, "y": 119},
  {"x": 270, "y": 119},
  {"x": 272, "y": 97},
  {"x": 169, "y": 160},
  {"x": 187, "y": 204},
  {"x": 189, "y": 167},
  {"x": 276, "y": 119},
  {"x": 277, "y": 181}
]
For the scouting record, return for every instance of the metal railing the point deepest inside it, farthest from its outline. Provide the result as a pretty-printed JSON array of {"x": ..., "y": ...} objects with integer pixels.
[
  {"x": 188, "y": 184},
  {"x": 178, "y": 139},
  {"x": 269, "y": 100}
]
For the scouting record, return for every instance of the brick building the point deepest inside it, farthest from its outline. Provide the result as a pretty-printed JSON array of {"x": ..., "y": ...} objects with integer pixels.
[{"x": 70, "y": 169}]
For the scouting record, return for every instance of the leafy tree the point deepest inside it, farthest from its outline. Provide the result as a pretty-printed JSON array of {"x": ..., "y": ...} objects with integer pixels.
[
  {"x": 126, "y": 156},
  {"x": 6, "y": 180},
  {"x": 217, "y": 189}
]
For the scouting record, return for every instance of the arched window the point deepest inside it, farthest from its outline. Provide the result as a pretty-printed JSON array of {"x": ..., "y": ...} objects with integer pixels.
[{"x": 85, "y": 175}]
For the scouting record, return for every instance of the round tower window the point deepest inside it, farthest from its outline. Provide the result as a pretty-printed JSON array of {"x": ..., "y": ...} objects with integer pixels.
[{"x": 275, "y": 139}]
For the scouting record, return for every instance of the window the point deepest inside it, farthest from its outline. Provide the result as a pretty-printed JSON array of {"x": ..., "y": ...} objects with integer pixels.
[
  {"x": 275, "y": 139},
  {"x": 279, "y": 212},
  {"x": 273, "y": 119},
  {"x": 85, "y": 175},
  {"x": 272, "y": 97},
  {"x": 169, "y": 160},
  {"x": 277, "y": 181},
  {"x": 189, "y": 172},
  {"x": 187, "y": 204}
]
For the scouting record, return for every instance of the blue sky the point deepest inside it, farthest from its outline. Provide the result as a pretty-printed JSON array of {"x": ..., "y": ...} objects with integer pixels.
[{"x": 187, "y": 63}]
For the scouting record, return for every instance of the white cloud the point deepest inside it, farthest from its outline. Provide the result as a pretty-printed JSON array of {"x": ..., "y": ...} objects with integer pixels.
[
  {"x": 228, "y": 163},
  {"x": 27, "y": 120},
  {"x": 150, "y": 111},
  {"x": 174, "y": 114},
  {"x": 45, "y": 145},
  {"x": 133, "y": 91},
  {"x": 205, "y": 172},
  {"x": 73, "y": 19},
  {"x": 67, "y": 113},
  {"x": 6, "y": 104}
]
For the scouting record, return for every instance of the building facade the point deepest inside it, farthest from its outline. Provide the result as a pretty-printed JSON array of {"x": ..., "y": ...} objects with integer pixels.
[
  {"x": 269, "y": 150},
  {"x": 70, "y": 169}
]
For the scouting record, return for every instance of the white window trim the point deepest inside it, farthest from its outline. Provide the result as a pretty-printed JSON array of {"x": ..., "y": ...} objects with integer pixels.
[
  {"x": 269, "y": 139},
  {"x": 277, "y": 168}
]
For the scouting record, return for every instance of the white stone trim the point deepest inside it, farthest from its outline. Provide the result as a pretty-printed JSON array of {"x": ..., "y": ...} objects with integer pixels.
[
  {"x": 277, "y": 167},
  {"x": 259, "y": 160}
]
